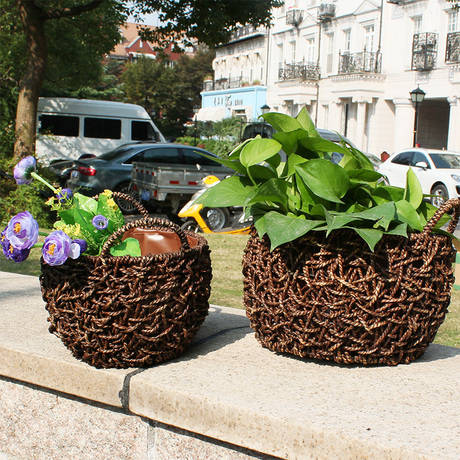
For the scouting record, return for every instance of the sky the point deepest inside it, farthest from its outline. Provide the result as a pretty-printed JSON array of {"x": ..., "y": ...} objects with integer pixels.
[{"x": 149, "y": 19}]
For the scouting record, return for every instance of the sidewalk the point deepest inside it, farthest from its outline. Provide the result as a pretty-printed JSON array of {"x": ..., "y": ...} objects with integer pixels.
[{"x": 227, "y": 387}]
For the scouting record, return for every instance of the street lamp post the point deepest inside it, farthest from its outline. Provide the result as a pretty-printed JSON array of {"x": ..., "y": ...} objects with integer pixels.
[
  {"x": 417, "y": 95},
  {"x": 196, "y": 109}
]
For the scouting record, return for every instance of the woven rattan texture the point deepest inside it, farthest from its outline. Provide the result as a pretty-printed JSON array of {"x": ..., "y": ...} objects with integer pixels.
[
  {"x": 129, "y": 311},
  {"x": 334, "y": 299}
]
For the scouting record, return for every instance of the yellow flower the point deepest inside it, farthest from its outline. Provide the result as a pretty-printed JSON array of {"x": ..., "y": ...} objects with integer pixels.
[
  {"x": 107, "y": 193},
  {"x": 50, "y": 201},
  {"x": 73, "y": 230},
  {"x": 111, "y": 203}
]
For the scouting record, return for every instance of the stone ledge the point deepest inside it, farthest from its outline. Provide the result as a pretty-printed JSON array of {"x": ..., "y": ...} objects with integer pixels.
[{"x": 227, "y": 387}]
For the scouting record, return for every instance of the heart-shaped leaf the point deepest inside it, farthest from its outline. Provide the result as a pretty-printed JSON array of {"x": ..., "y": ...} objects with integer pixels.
[
  {"x": 282, "y": 122},
  {"x": 324, "y": 179},
  {"x": 232, "y": 191},
  {"x": 413, "y": 191},
  {"x": 128, "y": 247},
  {"x": 274, "y": 191},
  {"x": 259, "y": 150},
  {"x": 283, "y": 228}
]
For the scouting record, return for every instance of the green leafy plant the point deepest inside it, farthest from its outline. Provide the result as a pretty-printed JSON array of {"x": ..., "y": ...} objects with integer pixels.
[{"x": 302, "y": 190}]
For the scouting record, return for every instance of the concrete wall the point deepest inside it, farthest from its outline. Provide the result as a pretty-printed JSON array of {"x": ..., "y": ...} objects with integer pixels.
[{"x": 225, "y": 398}]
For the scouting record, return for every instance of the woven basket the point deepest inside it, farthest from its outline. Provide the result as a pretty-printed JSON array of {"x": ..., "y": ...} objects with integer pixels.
[
  {"x": 333, "y": 299},
  {"x": 130, "y": 311}
]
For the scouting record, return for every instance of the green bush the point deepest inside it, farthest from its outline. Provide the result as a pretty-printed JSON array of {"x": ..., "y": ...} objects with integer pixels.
[{"x": 221, "y": 148}]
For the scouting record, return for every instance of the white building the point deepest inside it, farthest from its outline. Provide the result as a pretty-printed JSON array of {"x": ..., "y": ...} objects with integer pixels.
[
  {"x": 240, "y": 77},
  {"x": 353, "y": 63}
]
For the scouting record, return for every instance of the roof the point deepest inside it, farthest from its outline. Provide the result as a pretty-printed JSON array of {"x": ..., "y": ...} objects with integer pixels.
[{"x": 130, "y": 34}]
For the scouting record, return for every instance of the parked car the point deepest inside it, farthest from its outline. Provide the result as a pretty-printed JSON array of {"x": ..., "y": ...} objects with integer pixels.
[
  {"x": 112, "y": 170},
  {"x": 68, "y": 127},
  {"x": 266, "y": 131},
  {"x": 63, "y": 168},
  {"x": 437, "y": 170}
]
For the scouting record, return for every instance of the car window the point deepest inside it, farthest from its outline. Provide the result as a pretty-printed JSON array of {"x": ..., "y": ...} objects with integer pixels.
[
  {"x": 142, "y": 131},
  {"x": 161, "y": 155},
  {"x": 136, "y": 157},
  {"x": 254, "y": 129},
  {"x": 404, "y": 158},
  {"x": 118, "y": 152},
  {"x": 445, "y": 160},
  {"x": 102, "y": 128},
  {"x": 192, "y": 157},
  {"x": 420, "y": 158},
  {"x": 59, "y": 125}
]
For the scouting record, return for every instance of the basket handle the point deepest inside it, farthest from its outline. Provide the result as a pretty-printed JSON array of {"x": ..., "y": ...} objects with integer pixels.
[
  {"x": 126, "y": 197},
  {"x": 452, "y": 204},
  {"x": 147, "y": 222}
]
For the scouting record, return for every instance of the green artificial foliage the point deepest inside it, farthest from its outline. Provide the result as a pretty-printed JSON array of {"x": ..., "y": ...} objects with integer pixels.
[{"x": 302, "y": 191}]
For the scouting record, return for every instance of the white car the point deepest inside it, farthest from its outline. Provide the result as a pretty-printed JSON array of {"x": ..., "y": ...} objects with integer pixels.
[{"x": 437, "y": 170}]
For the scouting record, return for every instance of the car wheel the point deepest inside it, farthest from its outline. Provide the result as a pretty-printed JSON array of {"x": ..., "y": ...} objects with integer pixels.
[
  {"x": 217, "y": 218},
  {"x": 441, "y": 195},
  {"x": 125, "y": 206},
  {"x": 191, "y": 226}
]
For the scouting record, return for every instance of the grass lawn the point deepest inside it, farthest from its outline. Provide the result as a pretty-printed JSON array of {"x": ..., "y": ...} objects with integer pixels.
[{"x": 227, "y": 286}]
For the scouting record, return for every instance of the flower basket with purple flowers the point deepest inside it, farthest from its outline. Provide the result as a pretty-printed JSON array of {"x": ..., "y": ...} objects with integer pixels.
[{"x": 118, "y": 295}]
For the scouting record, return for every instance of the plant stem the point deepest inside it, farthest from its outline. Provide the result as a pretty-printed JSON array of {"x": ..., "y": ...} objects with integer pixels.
[{"x": 43, "y": 181}]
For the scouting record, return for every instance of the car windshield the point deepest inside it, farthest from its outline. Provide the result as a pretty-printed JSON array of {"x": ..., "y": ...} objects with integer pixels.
[{"x": 445, "y": 160}]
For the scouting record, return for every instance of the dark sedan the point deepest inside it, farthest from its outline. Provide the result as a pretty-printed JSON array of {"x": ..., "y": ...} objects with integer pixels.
[{"x": 112, "y": 170}]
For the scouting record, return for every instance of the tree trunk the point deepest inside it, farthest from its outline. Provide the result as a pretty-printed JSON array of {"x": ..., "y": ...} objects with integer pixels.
[{"x": 31, "y": 83}]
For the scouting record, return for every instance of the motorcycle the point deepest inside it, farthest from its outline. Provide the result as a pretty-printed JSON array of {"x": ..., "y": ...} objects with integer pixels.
[{"x": 213, "y": 220}]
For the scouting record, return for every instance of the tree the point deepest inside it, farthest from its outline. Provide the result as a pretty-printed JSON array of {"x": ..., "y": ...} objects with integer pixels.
[
  {"x": 34, "y": 16},
  {"x": 170, "y": 92},
  {"x": 201, "y": 20},
  {"x": 206, "y": 21}
]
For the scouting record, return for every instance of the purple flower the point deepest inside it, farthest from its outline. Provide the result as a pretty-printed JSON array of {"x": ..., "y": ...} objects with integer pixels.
[
  {"x": 100, "y": 222},
  {"x": 4, "y": 241},
  {"x": 22, "y": 171},
  {"x": 65, "y": 195},
  {"x": 22, "y": 230},
  {"x": 56, "y": 248},
  {"x": 16, "y": 255},
  {"x": 77, "y": 248}
]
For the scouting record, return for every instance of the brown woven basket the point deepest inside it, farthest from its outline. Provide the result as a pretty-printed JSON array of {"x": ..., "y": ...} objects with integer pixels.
[
  {"x": 333, "y": 299},
  {"x": 130, "y": 311}
]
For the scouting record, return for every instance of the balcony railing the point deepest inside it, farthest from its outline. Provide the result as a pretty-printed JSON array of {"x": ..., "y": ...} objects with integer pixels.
[
  {"x": 453, "y": 47},
  {"x": 247, "y": 31},
  {"x": 326, "y": 11},
  {"x": 362, "y": 62},
  {"x": 299, "y": 71},
  {"x": 225, "y": 83},
  {"x": 294, "y": 17},
  {"x": 424, "y": 51}
]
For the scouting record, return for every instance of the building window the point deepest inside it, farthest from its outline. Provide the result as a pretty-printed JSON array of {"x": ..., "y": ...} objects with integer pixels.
[
  {"x": 417, "y": 24},
  {"x": 347, "y": 41},
  {"x": 310, "y": 55},
  {"x": 326, "y": 116},
  {"x": 280, "y": 55},
  {"x": 452, "y": 21},
  {"x": 330, "y": 52},
  {"x": 369, "y": 38},
  {"x": 293, "y": 46}
]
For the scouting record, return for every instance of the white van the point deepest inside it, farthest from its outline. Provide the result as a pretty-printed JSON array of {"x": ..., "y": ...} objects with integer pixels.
[{"x": 68, "y": 128}]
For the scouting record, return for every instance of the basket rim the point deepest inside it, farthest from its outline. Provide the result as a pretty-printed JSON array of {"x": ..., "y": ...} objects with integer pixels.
[
  {"x": 411, "y": 236},
  {"x": 201, "y": 244}
]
